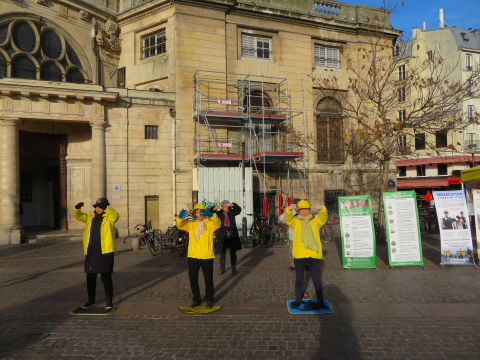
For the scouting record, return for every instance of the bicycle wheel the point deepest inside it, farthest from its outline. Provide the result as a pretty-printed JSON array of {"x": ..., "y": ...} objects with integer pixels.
[
  {"x": 150, "y": 243},
  {"x": 180, "y": 246},
  {"x": 275, "y": 236},
  {"x": 254, "y": 232},
  {"x": 267, "y": 237},
  {"x": 326, "y": 233}
]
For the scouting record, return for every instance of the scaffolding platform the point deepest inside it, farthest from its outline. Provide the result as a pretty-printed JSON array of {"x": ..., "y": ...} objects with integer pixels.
[{"x": 225, "y": 104}]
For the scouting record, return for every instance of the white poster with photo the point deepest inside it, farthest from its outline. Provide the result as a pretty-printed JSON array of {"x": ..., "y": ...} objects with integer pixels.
[{"x": 454, "y": 224}]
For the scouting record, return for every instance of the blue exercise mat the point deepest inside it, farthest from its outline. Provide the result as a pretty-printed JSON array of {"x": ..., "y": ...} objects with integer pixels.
[{"x": 299, "y": 311}]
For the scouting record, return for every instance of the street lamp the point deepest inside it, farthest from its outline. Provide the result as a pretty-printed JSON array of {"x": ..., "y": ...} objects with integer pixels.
[
  {"x": 243, "y": 136},
  {"x": 473, "y": 149}
]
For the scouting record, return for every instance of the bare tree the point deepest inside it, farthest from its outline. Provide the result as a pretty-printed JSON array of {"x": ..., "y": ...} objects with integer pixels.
[{"x": 389, "y": 94}]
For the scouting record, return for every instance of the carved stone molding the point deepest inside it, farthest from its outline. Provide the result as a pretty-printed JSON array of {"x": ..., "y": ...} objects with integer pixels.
[
  {"x": 110, "y": 70},
  {"x": 42, "y": 2},
  {"x": 84, "y": 15},
  {"x": 10, "y": 122},
  {"x": 98, "y": 126}
]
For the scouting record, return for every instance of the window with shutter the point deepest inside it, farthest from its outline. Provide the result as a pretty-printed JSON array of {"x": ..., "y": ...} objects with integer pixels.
[
  {"x": 255, "y": 46},
  {"x": 401, "y": 72},
  {"x": 326, "y": 56}
]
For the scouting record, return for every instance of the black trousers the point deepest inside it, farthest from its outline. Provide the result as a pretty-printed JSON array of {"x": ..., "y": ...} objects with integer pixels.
[
  {"x": 92, "y": 284},
  {"x": 315, "y": 272},
  {"x": 223, "y": 257},
  {"x": 194, "y": 266}
]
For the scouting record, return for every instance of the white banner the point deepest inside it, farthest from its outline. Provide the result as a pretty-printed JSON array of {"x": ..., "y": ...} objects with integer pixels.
[{"x": 454, "y": 224}]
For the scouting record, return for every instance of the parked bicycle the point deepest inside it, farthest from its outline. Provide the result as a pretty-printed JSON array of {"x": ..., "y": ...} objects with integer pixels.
[
  {"x": 261, "y": 230},
  {"x": 428, "y": 223},
  {"x": 174, "y": 238},
  {"x": 147, "y": 238},
  {"x": 279, "y": 234}
]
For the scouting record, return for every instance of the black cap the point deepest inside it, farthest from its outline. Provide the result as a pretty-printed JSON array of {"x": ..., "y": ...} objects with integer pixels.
[
  {"x": 102, "y": 203},
  {"x": 445, "y": 212}
]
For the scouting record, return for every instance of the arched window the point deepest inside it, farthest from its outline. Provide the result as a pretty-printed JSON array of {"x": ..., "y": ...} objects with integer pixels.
[
  {"x": 257, "y": 101},
  {"x": 75, "y": 76},
  {"x": 31, "y": 43},
  {"x": 23, "y": 67},
  {"x": 3, "y": 65},
  {"x": 50, "y": 71},
  {"x": 329, "y": 132}
]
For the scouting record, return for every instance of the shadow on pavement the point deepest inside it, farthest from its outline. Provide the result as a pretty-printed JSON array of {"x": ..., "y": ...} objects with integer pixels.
[
  {"x": 9, "y": 250},
  {"x": 337, "y": 339},
  {"x": 13, "y": 344},
  {"x": 252, "y": 258}
]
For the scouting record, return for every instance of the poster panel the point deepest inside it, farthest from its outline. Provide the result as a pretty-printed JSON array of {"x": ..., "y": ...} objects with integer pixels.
[
  {"x": 358, "y": 235},
  {"x": 403, "y": 230},
  {"x": 476, "y": 208},
  {"x": 454, "y": 224}
]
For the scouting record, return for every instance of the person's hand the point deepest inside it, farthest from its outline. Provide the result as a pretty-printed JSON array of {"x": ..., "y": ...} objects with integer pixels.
[
  {"x": 79, "y": 205},
  {"x": 317, "y": 207},
  {"x": 293, "y": 207},
  {"x": 183, "y": 214},
  {"x": 206, "y": 213},
  {"x": 216, "y": 207}
]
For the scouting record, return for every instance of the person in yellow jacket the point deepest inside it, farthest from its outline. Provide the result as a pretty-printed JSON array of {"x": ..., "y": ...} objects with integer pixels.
[
  {"x": 307, "y": 249},
  {"x": 98, "y": 247},
  {"x": 200, "y": 250}
]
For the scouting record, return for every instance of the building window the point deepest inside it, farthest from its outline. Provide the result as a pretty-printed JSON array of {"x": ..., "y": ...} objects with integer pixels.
[
  {"x": 430, "y": 55},
  {"x": 421, "y": 170},
  {"x": 331, "y": 199},
  {"x": 470, "y": 111},
  {"x": 401, "y": 115},
  {"x": 402, "y": 140},
  {"x": 442, "y": 169},
  {"x": 403, "y": 148},
  {"x": 468, "y": 62},
  {"x": 327, "y": 56},
  {"x": 403, "y": 171},
  {"x": 420, "y": 141},
  {"x": 401, "y": 72},
  {"x": 154, "y": 43},
  {"x": 26, "y": 187},
  {"x": 401, "y": 94},
  {"x": 256, "y": 47},
  {"x": 464, "y": 36},
  {"x": 396, "y": 50},
  {"x": 329, "y": 132},
  {"x": 151, "y": 132},
  {"x": 441, "y": 139}
]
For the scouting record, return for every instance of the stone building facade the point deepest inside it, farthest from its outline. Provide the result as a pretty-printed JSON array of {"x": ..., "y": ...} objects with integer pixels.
[{"x": 96, "y": 97}]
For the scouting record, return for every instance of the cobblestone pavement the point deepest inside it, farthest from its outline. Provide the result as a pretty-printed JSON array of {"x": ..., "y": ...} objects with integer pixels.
[{"x": 399, "y": 313}]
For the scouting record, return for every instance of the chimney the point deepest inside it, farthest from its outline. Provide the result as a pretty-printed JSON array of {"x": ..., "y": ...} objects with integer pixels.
[
  {"x": 441, "y": 19},
  {"x": 424, "y": 26}
]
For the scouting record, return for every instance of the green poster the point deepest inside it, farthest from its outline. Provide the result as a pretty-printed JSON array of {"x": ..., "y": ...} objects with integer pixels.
[
  {"x": 358, "y": 234},
  {"x": 403, "y": 231}
]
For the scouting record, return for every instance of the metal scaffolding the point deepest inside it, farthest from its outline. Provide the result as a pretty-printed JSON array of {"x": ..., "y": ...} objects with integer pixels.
[{"x": 224, "y": 104}]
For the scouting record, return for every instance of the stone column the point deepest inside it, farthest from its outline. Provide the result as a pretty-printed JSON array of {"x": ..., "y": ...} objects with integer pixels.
[
  {"x": 99, "y": 164},
  {"x": 11, "y": 230}
]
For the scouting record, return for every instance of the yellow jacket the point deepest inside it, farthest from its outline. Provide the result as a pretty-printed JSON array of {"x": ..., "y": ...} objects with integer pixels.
[
  {"x": 107, "y": 232},
  {"x": 203, "y": 247},
  {"x": 299, "y": 251}
]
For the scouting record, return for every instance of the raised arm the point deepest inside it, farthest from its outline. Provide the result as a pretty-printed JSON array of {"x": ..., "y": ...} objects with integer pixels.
[
  {"x": 215, "y": 222},
  {"x": 79, "y": 215},
  {"x": 236, "y": 209},
  {"x": 321, "y": 217},
  {"x": 112, "y": 214}
]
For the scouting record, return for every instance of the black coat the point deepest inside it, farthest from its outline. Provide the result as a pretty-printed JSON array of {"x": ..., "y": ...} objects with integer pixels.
[
  {"x": 232, "y": 242},
  {"x": 95, "y": 261}
]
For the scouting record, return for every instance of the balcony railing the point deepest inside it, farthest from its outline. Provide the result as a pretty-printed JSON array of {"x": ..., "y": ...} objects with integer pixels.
[
  {"x": 472, "y": 142},
  {"x": 404, "y": 150}
]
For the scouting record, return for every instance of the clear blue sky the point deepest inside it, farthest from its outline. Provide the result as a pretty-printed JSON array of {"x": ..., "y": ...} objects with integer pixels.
[{"x": 463, "y": 13}]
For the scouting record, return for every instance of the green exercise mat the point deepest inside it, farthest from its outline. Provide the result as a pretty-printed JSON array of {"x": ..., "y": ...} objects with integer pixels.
[
  {"x": 198, "y": 310},
  {"x": 95, "y": 311}
]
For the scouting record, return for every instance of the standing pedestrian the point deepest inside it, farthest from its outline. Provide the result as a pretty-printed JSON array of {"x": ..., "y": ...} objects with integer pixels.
[
  {"x": 98, "y": 247},
  {"x": 227, "y": 234},
  {"x": 200, "y": 250},
  {"x": 307, "y": 249}
]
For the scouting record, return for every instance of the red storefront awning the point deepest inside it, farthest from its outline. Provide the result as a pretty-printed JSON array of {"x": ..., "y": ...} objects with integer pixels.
[
  {"x": 421, "y": 183},
  {"x": 454, "y": 180},
  {"x": 437, "y": 160}
]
